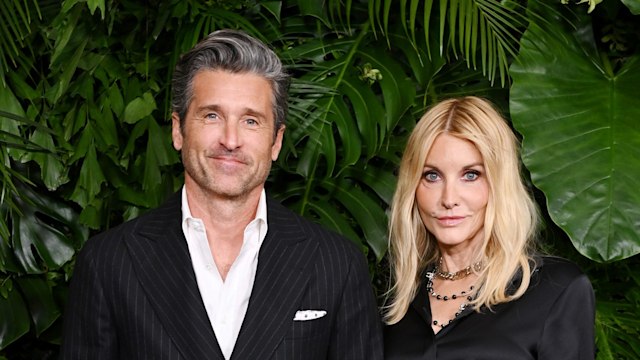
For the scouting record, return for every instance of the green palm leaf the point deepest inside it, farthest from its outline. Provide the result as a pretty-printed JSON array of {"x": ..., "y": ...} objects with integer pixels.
[
  {"x": 16, "y": 17},
  {"x": 479, "y": 30}
]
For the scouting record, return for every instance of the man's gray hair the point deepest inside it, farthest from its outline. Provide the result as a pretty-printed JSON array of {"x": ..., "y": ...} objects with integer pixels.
[{"x": 236, "y": 52}]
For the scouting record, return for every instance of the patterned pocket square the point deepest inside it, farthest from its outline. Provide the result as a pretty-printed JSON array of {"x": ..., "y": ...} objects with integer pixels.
[{"x": 305, "y": 315}]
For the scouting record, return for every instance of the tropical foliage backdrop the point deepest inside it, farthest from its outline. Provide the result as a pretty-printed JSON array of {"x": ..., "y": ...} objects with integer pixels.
[{"x": 85, "y": 141}]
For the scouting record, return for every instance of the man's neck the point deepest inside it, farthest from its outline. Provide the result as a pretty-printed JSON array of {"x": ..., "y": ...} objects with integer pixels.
[
  {"x": 225, "y": 220},
  {"x": 220, "y": 211}
]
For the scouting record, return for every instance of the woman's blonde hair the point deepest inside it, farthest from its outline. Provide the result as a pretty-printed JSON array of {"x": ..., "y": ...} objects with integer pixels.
[{"x": 511, "y": 216}]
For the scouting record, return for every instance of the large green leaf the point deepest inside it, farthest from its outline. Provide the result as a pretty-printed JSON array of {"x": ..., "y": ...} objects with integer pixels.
[
  {"x": 139, "y": 107},
  {"x": 46, "y": 234},
  {"x": 580, "y": 123},
  {"x": 320, "y": 209},
  {"x": 14, "y": 317},
  {"x": 42, "y": 306},
  {"x": 10, "y": 126},
  {"x": 91, "y": 176},
  {"x": 365, "y": 210},
  {"x": 397, "y": 90},
  {"x": 53, "y": 171},
  {"x": 335, "y": 203},
  {"x": 633, "y": 5}
]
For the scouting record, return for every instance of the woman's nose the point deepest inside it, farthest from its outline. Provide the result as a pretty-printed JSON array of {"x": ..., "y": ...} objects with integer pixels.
[{"x": 450, "y": 196}]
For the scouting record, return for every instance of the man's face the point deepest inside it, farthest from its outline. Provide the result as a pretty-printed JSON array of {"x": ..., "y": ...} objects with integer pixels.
[{"x": 228, "y": 140}]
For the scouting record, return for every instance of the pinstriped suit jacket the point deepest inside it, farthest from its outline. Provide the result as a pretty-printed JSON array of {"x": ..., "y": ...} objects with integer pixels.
[{"x": 133, "y": 295}]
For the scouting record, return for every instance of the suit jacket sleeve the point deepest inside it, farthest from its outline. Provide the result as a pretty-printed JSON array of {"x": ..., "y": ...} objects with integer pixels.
[
  {"x": 358, "y": 330},
  {"x": 89, "y": 331},
  {"x": 569, "y": 327}
]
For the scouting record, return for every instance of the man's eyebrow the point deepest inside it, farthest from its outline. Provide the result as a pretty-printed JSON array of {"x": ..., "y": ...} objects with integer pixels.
[
  {"x": 208, "y": 107},
  {"x": 254, "y": 112},
  {"x": 246, "y": 110}
]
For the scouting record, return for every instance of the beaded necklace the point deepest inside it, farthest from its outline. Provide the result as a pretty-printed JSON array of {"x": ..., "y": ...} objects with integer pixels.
[{"x": 451, "y": 276}]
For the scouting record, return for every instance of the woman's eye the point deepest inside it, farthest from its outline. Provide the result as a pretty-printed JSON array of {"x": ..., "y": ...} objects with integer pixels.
[
  {"x": 430, "y": 176},
  {"x": 471, "y": 175}
]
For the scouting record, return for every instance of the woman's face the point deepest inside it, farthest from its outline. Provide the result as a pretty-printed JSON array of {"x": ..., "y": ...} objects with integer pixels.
[{"x": 453, "y": 193}]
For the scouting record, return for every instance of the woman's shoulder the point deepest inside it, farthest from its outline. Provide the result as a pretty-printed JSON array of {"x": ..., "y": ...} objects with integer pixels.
[{"x": 556, "y": 272}]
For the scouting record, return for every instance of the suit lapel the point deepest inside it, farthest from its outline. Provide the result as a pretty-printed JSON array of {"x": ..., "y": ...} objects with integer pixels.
[
  {"x": 279, "y": 284},
  {"x": 163, "y": 266}
]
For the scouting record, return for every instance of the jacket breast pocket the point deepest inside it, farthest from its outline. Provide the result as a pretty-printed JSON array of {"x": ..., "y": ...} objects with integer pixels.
[
  {"x": 307, "y": 340},
  {"x": 304, "y": 329}
]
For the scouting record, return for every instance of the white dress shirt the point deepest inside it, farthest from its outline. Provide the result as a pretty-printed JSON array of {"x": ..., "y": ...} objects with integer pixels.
[{"x": 226, "y": 301}]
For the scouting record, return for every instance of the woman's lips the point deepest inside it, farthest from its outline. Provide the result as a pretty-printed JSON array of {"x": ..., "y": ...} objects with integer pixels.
[{"x": 449, "y": 221}]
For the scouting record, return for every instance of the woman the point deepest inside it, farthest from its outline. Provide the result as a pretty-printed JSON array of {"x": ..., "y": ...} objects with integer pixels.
[{"x": 466, "y": 282}]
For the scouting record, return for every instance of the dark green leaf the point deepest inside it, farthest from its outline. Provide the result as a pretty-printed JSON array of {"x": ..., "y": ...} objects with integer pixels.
[
  {"x": 351, "y": 144},
  {"x": 368, "y": 114},
  {"x": 367, "y": 212},
  {"x": 152, "y": 175},
  {"x": 46, "y": 234},
  {"x": 397, "y": 90},
  {"x": 8, "y": 261},
  {"x": 52, "y": 170},
  {"x": 22, "y": 89},
  {"x": 327, "y": 215},
  {"x": 381, "y": 181},
  {"x": 633, "y": 5},
  {"x": 14, "y": 318},
  {"x": 274, "y": 7},
  {"x": 115, "y": 100},
  {"x": 106, "y": 134},
  {"x": 69, "y": 69},
  {"x": 10, "y": 105},
  {"x": 96, "y": 4},
  {"x": 139, "y": 107},
  {"x": 39, "y": 298},
  {"x": 65, "y": 31},
  {"x": 90, "y": 180},
  {"x": 159, "y": 144},
  {"x": 314, "y": 8}
]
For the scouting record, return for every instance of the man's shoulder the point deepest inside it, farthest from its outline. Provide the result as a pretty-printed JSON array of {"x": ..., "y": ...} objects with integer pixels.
[{"x": 112, "y": 239}]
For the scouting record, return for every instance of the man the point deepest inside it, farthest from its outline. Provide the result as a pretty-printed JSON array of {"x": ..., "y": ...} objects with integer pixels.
[{"x": 221, "y": 271}]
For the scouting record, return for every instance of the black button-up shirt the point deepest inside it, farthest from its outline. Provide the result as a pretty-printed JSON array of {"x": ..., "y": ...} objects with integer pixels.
[{"x": 554, "y": 319}]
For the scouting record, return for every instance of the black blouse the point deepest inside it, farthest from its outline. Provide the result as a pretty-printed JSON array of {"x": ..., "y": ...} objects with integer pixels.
[{"x": 554, "y": 319}]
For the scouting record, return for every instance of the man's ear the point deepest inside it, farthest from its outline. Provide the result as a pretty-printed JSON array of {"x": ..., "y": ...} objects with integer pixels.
[
  {"x": 176, "y": 131},
  {"x": 277, "y": 143}
]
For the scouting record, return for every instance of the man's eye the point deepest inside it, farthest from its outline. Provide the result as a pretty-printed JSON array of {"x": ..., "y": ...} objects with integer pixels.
[
  {"x": 211, "y": 116},
  {"x": 251, "y": 122}
]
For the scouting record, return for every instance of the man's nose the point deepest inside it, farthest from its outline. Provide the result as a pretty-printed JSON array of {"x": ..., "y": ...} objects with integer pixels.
[{"x": 230, "y": 137}]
